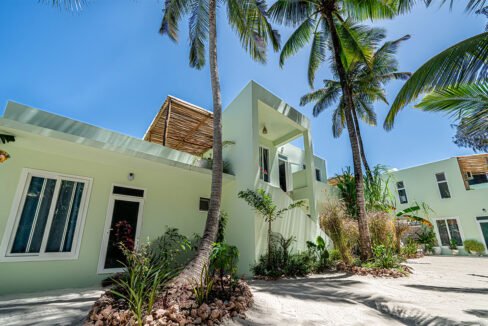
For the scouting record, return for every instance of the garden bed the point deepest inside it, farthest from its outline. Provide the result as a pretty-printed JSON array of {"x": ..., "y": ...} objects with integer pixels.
[
  {"x": 400, "y": 271},
  {"x": 177, "y": 306}
]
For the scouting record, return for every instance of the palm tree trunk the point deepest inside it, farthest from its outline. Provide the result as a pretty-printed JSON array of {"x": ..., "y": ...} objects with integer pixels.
[
  {"x": 361, "y": 146},
  {"x": 194, "y": 268},
  {"x": 269, "y": 243},
  {"x": 364, "y": 238}
]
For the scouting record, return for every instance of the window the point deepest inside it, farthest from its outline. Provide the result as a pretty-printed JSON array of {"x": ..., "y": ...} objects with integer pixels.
[
  {"x": 264, "y": 164},
  {"x": 49, "y": 217},
  {"x": 128, "y": 191},
  {"x": 204, "y": 204},
  {"x": 442, "y": 183},
  {"x": 318, "y": 175},
  {"x": 449, "y": 230},
  {"x": 402, "y": 193}
]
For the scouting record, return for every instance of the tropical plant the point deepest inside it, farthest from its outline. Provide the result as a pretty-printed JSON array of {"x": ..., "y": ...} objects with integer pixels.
[
  {"x": 426, "y": 236},
  {"x": 346, "y": 184},
  {"x": 409, "y": 250},
  {"x": 382, "y": 228},
  {"x": 223, "y": 260},
  {"x": 173, "y": 248},
  {"x": 144, "y": 276},
  {"x": 368, "y": 80},
  {"x": 384, "y": 257},
  {"x": 249, "y": 19},
  {"x": 411, "y": 213},
  {"x": 456, "y": 79},
  {"x": 473, "y": 246},
  {"x": 202, "y": 287},
  {"x": 466, "y": 103},
  {"x": 453, "y": 244},
  {"x": 320, "y": 23},
  {"x": 318, "y": 250},
  {"x": 262, "y": 203}
]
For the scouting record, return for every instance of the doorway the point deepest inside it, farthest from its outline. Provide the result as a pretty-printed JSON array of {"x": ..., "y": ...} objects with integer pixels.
[
  {"x": 483, "y": 223},
  {"x": 123, "y": 224},
  {"x": 284, "y": 171}
]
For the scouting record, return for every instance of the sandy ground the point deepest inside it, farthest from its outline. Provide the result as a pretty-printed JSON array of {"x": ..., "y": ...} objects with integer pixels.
[{"x": 442, "y": 291}]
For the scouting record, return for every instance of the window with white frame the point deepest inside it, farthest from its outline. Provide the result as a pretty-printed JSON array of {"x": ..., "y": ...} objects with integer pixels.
[
  {"x": 264, "y": 164},
  {"x": 402, "y": 193},
  {"x": 318, "y": 175},
  {"x": 442, "y": 184},
  {"x": 449, "y": 230},
  {"x": 49, "y": 217}
]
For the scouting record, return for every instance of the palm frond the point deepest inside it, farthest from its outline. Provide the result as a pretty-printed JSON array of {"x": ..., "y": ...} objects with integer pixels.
[
  {"x": 338, "y": 119},
  {"x": 199, "y": 26},
  {"x": 370, "y": 9},
  {"x": 464, "y": 62},
  {"x": 291, "y": 12},
  {"x": 72, "y": 5},
  {"x": 172, "y": 12},
  {"x": 317, "y": 55},
  {"x": 298, "y": 39}
]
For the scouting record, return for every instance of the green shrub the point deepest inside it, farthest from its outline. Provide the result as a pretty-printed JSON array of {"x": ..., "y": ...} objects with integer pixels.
[
  {"x": 142, "y": 280},
  {"x": 381, "y": 228},
  {"x": 472, "y": 245},
  {"x": 223, "y": 261},
  {"x": 299, "y": 264},
  {"x": 426, "y": 236},
  {"x": 334, "y": 255},
  {"x": 318, "y": 251},
  {"x": 385, "y": 257},
  {"x": 409, "y": 250}
]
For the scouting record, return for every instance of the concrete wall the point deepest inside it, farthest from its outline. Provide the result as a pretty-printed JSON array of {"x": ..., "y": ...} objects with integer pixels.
[
  {"x": 421, "y": 186},
  {"x": 172, "y": 198}
]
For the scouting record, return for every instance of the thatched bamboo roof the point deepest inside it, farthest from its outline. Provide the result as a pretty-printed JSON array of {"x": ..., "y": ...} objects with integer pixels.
[
  {"x": 182, "y": 126},
  {"x": 475, "y": 164}
]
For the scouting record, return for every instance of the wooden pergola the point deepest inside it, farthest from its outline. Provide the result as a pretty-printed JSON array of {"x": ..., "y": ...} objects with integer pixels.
[
  {"x": 182, "y": 126},
  {"x": 474, "y": 164}
]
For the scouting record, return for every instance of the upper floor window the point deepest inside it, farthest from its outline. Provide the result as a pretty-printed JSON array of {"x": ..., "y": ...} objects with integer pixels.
[
  {"x": 50, "y": 216},
  {"x": 402, "y": 193},
  {"x": 318, "y": 175},
  {"x": 264, "y": 164},
  {"x": 442, "y": 184}
]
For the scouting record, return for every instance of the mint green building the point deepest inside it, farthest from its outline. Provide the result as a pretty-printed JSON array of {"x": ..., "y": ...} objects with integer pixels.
[
  {"x": 69, "y": 189},
  {"x": 456, "y": 189}
]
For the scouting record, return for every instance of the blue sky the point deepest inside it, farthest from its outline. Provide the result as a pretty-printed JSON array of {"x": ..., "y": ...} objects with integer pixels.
[{"x": 108, "y": 66}]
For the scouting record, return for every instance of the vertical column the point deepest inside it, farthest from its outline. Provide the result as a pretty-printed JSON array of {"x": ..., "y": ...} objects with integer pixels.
[{"x": 310, "y": 172}]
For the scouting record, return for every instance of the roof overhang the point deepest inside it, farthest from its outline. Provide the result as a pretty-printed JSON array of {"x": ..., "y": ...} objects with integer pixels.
[{"x": 182, "y": 126}]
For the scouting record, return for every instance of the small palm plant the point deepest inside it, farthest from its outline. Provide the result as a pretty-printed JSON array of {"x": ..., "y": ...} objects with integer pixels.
[{"x": 263, "y": 204}]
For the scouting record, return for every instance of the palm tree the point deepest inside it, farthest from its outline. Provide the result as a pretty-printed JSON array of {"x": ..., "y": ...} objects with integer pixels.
[
  {"x": 466, "y": 103},
  {"x": 320, "y": 22},
  {"x": 263, "y": 204},
  {"x": 457, "y": 67},
  {"x": 249, "y": 19},
  {"x": 368, "y": 82}
]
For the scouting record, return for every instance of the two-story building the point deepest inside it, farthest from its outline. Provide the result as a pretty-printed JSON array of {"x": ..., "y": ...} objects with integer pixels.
[
  {"x": 69, "y": 187},
  {"x": 456, "y": 190}
]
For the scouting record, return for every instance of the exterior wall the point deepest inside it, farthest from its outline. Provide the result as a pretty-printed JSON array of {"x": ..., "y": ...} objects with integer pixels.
[
  {"x": 170, "y": 192},
  {"x": 421, "y": 186}
]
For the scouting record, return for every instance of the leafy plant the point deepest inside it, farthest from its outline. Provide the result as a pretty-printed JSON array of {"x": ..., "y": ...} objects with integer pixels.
[
  {"x": 223, "y": 260},
  {"x": 347, "y": 191},
  {"x": 385, "y": 257},
  {"x": 143, "y": 278},
  {"x": 381, "y": 227},
  {"x": 426, "y": 236},
  {"x": 203, "y": 286},
  {"x": 472, "y": 246},
  {"x": 173, "y": 248},
  {"x": 409, "y": 250},
  {"x": 318, "y": 250},
  {"x": 453, "y": 244},
  {"x": 224, "y": 218},
  {"x": 263, "y": 204},
  {"x": 334, "y": 255}
]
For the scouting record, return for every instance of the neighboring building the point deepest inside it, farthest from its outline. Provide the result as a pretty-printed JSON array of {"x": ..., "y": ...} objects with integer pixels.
[
  {"x": 69, "y": 186},
  {"x": 456, "y": 189}
]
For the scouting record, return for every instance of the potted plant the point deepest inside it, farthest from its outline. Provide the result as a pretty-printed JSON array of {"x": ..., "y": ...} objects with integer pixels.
[
  {"x": 474, "y": 247},
  {"x": 426, "y": 237},
  {"x": 453, "y": 247}
]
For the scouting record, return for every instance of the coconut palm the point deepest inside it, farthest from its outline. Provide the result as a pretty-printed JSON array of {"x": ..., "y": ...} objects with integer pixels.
[
  {"x": 368, "y": 82},
  {"x": 323, "y": 21},
  {"x": 249, "y": 19},
  {"x": 457, "y": 67},
  {"x": 466, "y": 103}
]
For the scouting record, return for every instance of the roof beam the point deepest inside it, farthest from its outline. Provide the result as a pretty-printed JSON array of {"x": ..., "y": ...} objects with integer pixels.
[{"x": 292, "y": 135}]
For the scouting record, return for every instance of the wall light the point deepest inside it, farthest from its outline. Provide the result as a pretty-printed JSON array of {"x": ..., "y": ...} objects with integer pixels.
[
  {"x": 265, "y": 131},
  {"x": 4, "y": 156},
  {"x": 131, "y": 176}
]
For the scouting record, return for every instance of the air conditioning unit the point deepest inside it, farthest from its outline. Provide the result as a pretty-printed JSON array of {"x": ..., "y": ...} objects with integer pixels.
[{"x": 469, "y": 176}]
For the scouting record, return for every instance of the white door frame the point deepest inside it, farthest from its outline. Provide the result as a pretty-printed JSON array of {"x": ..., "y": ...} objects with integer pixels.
[
  {"x": 108, "y": 222},
  {"x": 481, "y": 231},
  {"x": 288, "y": 174}
]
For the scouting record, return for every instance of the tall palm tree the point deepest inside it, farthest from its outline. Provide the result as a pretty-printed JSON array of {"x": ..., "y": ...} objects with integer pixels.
[
  {"x": 319, "y": 22},
  {"x": 368, "y": 82},
  {"x": 249, "y": 19}
]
